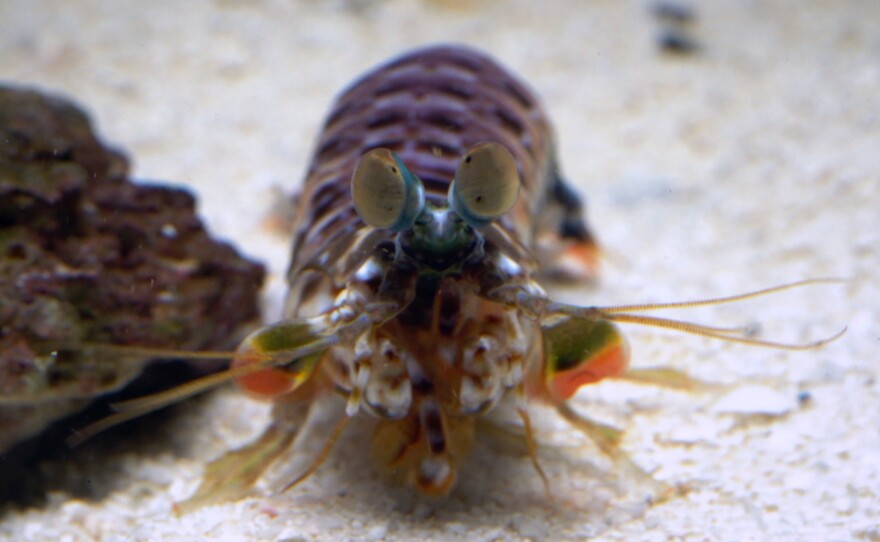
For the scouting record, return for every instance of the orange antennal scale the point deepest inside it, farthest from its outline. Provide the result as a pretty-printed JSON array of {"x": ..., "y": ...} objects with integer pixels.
[
  {"x": 269, "y": 382},
  {"x": 578, "y": 352}
]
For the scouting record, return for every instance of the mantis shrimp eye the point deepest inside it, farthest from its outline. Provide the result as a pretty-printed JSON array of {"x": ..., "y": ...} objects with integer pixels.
[
  {"x": 385, "y": 194},
  {"x": 486, "y": 184}
]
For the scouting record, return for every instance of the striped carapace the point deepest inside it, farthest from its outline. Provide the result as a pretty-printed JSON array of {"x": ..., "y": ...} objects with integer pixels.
[{"x": 429, "y": 107}]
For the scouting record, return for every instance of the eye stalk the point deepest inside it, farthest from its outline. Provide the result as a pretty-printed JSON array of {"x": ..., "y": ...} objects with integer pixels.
[
  {"x": 385, "y": 194},
  {"x": 486, "y": 184}
]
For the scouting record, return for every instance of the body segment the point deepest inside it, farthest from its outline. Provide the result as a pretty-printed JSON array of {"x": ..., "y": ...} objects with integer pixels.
[{"x": 429, "y": 107}]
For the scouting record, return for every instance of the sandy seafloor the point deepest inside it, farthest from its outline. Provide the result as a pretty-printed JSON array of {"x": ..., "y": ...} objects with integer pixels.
[{"x": 752, "y": 162}]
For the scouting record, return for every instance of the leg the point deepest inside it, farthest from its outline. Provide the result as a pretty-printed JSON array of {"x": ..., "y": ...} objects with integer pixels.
[
  {"x": 607, "y": 439},
  {"x": 533, "y": 449},
  {"x": 232, "y": 475}
]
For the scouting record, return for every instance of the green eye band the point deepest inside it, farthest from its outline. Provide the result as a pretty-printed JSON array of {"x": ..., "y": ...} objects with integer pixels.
[
  {"x": 486, "y": 184},
  {"x": 385, "y": 194}
]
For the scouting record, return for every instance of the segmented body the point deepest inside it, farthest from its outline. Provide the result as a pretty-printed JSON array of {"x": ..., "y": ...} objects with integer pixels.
[
  {"x": 451, "y": 353},
  {"x": 429, "y": 107}
]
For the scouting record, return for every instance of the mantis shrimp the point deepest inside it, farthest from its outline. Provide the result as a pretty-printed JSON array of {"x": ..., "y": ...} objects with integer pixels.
[{"x": 431, "y": 207}]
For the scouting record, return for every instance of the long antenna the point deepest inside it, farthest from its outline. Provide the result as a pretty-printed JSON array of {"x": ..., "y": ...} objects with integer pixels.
[
  {"x": 704, "y": 331},
  {"x": 134, "y": 408},
  {"x": 625, "y": 314},
  {"x": 720, "y": 300}
]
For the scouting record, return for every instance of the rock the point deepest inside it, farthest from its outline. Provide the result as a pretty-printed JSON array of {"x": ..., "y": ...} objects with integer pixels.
[{"x": 87, "y": 256}]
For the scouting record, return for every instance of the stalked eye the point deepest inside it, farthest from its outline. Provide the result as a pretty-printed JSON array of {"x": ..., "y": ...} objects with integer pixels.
[
  {"x": 486, "y": 184},
  {"x": 386, "y": 195}
]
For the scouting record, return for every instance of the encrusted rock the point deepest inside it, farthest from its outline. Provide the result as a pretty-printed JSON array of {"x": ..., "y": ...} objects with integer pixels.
[{"x": 87, "y": 256}]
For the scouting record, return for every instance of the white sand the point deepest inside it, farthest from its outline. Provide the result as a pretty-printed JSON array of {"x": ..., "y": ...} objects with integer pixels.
[{"x": 754, "y": 162}]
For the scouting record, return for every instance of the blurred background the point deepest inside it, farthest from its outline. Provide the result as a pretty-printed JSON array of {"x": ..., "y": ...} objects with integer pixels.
[{"x": 721, "y": 146}]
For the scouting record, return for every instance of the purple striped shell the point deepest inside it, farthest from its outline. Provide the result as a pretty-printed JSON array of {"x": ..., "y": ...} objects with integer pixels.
[{"x": 429, "y": 107}]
